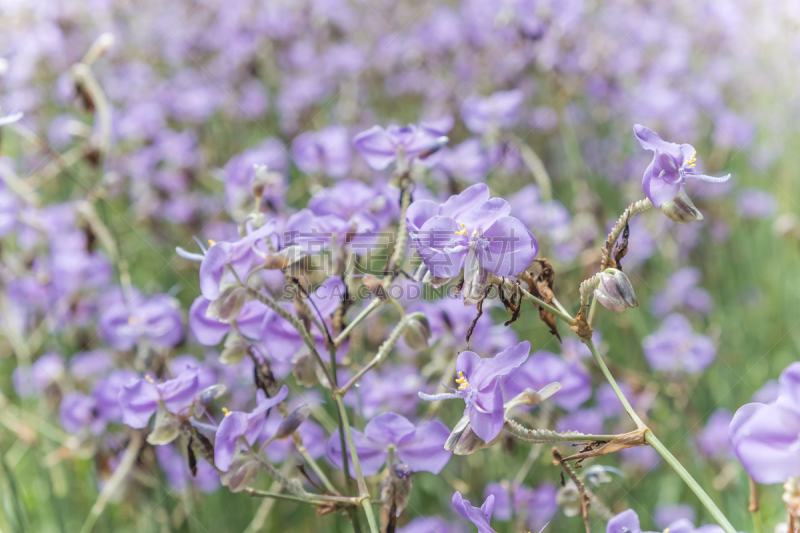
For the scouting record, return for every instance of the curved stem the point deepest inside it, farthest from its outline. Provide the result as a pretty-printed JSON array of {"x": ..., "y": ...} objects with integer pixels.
[
  {"x": 374, "y": 304},
  {"x": 704, "y": 498},
  {"x": 651, "y": 439}
]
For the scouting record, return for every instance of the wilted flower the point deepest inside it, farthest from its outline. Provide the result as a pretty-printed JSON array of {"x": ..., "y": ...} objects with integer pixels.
[
  {"x": 479, "y": 386},
  {"x": 420, "y": 447},
  {"x": 665, "y": 177}
]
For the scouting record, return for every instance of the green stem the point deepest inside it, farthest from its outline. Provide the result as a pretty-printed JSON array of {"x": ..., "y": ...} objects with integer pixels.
[
  {"x": 362, "y": 485},
  {"x": 374, "y": 304},
  {"x": 651, "y": 439},
  {"x": 689, "y": 480}
]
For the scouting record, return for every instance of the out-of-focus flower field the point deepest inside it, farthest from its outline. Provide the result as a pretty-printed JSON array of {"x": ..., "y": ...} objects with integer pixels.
[{"x": 232, "y": 236}]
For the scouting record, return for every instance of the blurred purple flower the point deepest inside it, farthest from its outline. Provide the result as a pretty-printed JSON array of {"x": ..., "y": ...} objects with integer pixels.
[
  {"x": 666, "y": 514},
  {"x": 675, "y": 347},
  {"x": 589, "y": 421},
  {"x": 624, "y": 522},
  {"x": 671, "y": 166},
  {"x": 430, "y": 524},
  {"x": 500, "y": 110},
  {"x": 544, "y": 368},
  {"x": 326, "y": 151},
  {"x": 79, "y": 411},
  {"x": 380, "y": 147},
  {"x": 29, "y": 381},
  {"x": 176, "y": 470},
  {"x": 237, "y": 424},
  {"x": 755, "y": 203},
  {"x": 681, "y": 290},
  {"x": 139, "y": 399},
  {"x": 210, "y": 332},
  {"x": 713, "y": 438},
  {"x": 479, "y": 387},
  {"x": 391, "y": 389},
  {"x": 156, "y": 319},
  {"x": 467, "y": 161},
  {"x": 91, "y": 364},
  {"x": 420, "y": 447}
]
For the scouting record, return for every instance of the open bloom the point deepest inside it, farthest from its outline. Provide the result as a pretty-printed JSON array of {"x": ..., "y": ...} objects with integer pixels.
[
  {"x": 479, "y": 386},
  {"x": 326, "y": 150},
  {"x": 139, "y": 399},
  {"x": 420, "y": 447},
  {"x": 676, "y": 347},
  {"x": 380, "y": 147},
  {"x": 480, "y": 240},
  {"x": 624, "y": 522},
  {"x": 156, "y": 319},
  {"x": 766, "y": 437},
  {"x": 672, "y": 165},
  {"x": 248, "y": 425}
]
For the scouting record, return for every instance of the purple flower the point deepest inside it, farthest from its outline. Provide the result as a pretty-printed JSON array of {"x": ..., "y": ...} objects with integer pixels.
[
  {"x": 479, "y": 240},
  {"x": 326, "y": 151},
  {"x": 671, "y": 166},
  {"x": 156, "y": 319},
  {"x": 312, "y": 434},
  {"x": 544, "y": 368},
  {"x": 480, "y": 516},
  {"x": 666, "y": 514},
  {"x": 177, "y": 471},
  {"x": 91, "y": 364},
  {"x": 380, "y": 147},
  {"x": 420, "y": 447},
  {"x": 458, "y": 205},
  {"x": 78, "y": 411},
  {"x": 624, "y": 522},
  {"x": 766, "y": 437},
  {"x": 713, "y": 439},
  {"x": 210, "y": 332},
  {"x": 238, "y": 424},
  {"x": 501, "y": 110},
  {"x": 430, "y": 524},
  {"x": 479, "y": 387},
  {"x": 390, "y": 389},
  {"x": 139, "y": 399},
  {"x": 682, "y": 291},
  {"x": 467, "y": 161},
  {"x": 755, "y": 203},
  {"x": 589, "y": 421},
  {"x": 502, "y": 500},
  {"x": 29, "y": 381},
  {"x": 675, "y": 347},
  {"x": 367, "y": 208},
  {"x": 542, "y": 499}
]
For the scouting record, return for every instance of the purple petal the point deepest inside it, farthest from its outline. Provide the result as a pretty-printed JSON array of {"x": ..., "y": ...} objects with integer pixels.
[
  {"x": 470, "y": 198},
  {"x": 467, "y": 363},
  {"x": 138, "y": 400},
  {"x": 180, "y": 392},
  {"x": 659, "y": 191},
  {"x": 511, "y": 249},
  {"x": 370, "y": 456},
  {"x": 212, "y": 269},
  {"x": 767, "y": 444},
  {"x": 388, "y": 428},
  {"x": 230, "y": 429},
  {"x": 486, "y": 413},
  {"x": 207, "y": 331},
  {"x": 501, "y": 364},
  {"x": 441, "y": 250},
  {"x": 624, "y": 522},
  {"x": 419, "y": 213},
  {"x": 423, "y": 450},
  {"x": 375, "y": 147},
  {"x": 790, "y": 387}
]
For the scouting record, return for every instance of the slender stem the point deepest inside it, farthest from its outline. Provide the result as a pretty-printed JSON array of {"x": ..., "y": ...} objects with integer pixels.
[
  {"x": 374, "y": 304},
  {"x": 298, "y": 325},
  {"x": 689, "y": 480},
  {"x": 651, "y": 439},
  {"x": 511, "y": 286},
  {"x": 129, "y": 459},
  {"x": 607, "y": 373},
  {"x": 301, "y": 449},
  {"x": 313, "y": 498},
  {"x": 546, "y": 436},
  {"x": 362, "y": 485},
  {"x": 382, "y": 352}
]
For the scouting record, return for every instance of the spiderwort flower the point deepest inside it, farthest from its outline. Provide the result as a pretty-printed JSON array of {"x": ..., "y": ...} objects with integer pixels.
[
  {"x": 676, "y": 347},
  {"x": 480, "y": 516},
  {"x": 766, "y": 437},
  {"x": 665, "y": 178},
  {"x": 380, "y": 147},
  {"x": 140, "y": 399},
  {"x": 420, "y": 447},
  {"x": 481, "y": 240},
  {"x": 238, "y": 424},
  {"x": 479, "y": 386}
]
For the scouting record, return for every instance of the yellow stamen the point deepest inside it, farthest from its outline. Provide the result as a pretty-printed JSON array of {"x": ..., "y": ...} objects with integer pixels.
[
  {"x": 148, "y": 378},
  {"x": 474, "y": 233},
  {"x": 132, "y": 320},
  {"x": 211, "y": 243},
  {"x": 225, "y": 410},
  {"x": 462, "y": 381}
]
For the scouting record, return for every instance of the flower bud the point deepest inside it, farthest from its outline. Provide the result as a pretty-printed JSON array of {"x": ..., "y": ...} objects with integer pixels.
[
  {"x": 234, "y": 351},
  {"x": 417, "y": 333},
  {"x": 437, "y": 145},
  {"x": 464, "y": 441},
  {"x": 375, "y": 286},
  {"x": 531, "y": 397},
  {"x": 681, "y": 209},
  {"x": 227, "y": 307},
  {"x": 238, "y": 479},
  {"x": 476, "y": 279},
  {"x": 205, "y": 397},
  {"x": 165, "y": 430},
  {"x": 396, "y": 489},
  {"x": 615, "y": 291},
  {"x": 293, "y": 421}
]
